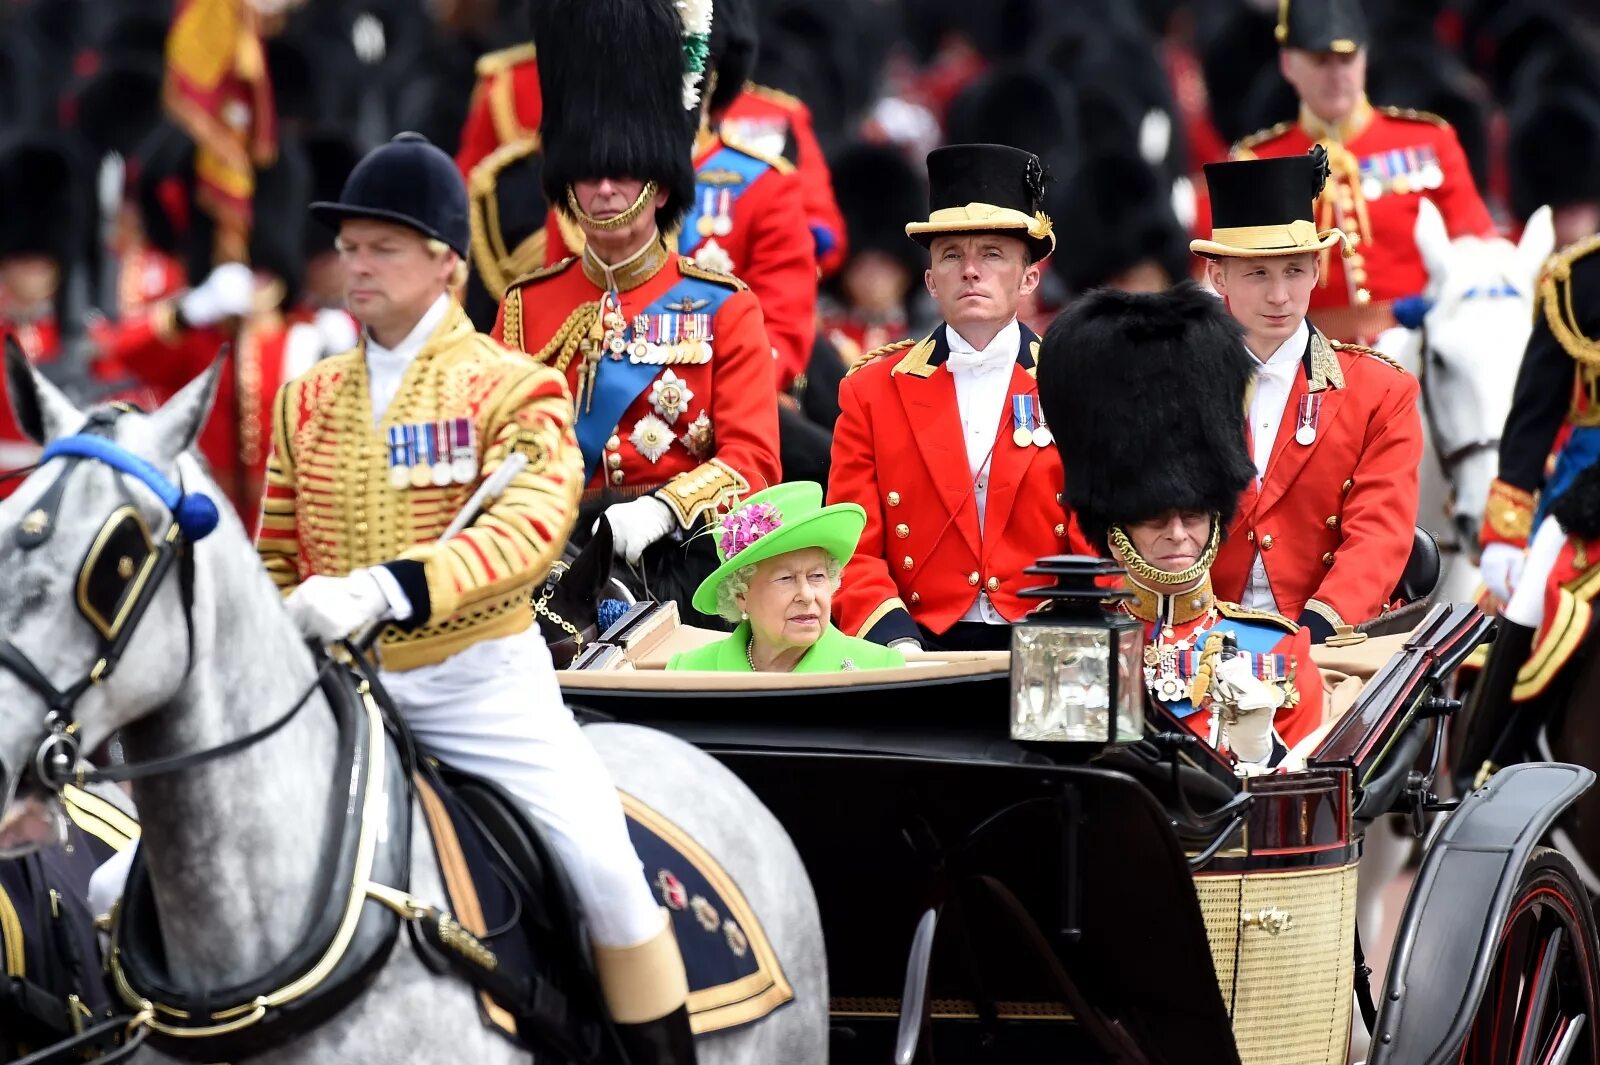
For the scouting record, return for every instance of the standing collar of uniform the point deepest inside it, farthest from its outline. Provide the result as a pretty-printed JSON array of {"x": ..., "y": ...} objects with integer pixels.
[
  {"x": 632, "y": 272},
  {"x": 1178, "y": 608},
  {"x": 1343, "y": 132},
  {"x": 407, "y": 349}
]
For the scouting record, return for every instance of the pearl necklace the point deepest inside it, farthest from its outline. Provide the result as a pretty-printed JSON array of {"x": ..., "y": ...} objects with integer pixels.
[{"x": 750, "y": 654}]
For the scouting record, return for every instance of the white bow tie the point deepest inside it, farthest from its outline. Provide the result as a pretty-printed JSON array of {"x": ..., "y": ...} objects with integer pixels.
[{"x": 980, "y": 362}]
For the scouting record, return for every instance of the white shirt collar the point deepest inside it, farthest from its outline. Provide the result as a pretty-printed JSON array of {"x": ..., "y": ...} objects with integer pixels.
[
  {"x": 1286, "y": 359},
  {"x": 407, "y": 349},
  {"x": 1002, "y": 350}
]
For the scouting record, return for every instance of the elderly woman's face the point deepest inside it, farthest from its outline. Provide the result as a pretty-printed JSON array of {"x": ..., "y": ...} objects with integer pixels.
[
  {"x": 1173, "y": 541},
  {"x": 789, "y": 598}
]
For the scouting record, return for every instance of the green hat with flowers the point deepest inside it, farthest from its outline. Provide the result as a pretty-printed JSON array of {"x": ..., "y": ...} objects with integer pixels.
[{"x": 783, "y": 518}]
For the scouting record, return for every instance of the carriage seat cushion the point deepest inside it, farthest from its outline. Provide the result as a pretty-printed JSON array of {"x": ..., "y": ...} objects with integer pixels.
[{"x": 501, "y": 875}]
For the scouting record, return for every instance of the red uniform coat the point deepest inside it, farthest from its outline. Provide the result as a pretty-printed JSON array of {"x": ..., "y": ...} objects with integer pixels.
[
  {"x": 898, "y": 451},
  {"x": 769, "y": 120},
  {"x": 1569, "y": 591},
  {"x": 506, "y": 105},
  {"x": 768, "y": 246},
  {"x": 1382, "y": 166},
  {"x": 1333, "y": 520},
  {"x": 724, "y": 442}
]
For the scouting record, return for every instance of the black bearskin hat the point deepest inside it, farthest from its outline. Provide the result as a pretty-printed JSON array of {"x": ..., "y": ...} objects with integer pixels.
[
  {"x": 735, "y": 41},
  {"x": 1145, "y": 394},
  {"x": 623, "y": 119},
  {"x": 46, "y": 207},
  {"x": 878, "y": 191}
]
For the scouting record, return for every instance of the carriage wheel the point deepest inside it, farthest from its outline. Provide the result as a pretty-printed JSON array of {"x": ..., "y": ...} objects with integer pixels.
[{"x": 1540, "y": 1007}]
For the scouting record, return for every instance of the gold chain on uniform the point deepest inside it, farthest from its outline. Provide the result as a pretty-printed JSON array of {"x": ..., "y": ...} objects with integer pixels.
[
  {"x": 626, "y": 218},
  {"x": 1144, "y": 571}
]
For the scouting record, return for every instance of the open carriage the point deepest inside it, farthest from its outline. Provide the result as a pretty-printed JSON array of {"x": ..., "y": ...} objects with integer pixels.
[{"x": 1107, "y": 896}]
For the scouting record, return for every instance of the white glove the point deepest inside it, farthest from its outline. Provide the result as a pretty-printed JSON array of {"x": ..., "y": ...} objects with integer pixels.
[
  {"x": 330, "y": 608},
  {"x": 1501, "y": 568},
  {"x": 637, "y": 524},
  {"x": 227, "y": 292},
  {"x": 1248, "y": 705},
  {"x": 906, "y": 643}
]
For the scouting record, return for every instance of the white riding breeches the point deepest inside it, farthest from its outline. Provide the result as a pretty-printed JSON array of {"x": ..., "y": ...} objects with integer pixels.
[{"x": 495, "y": 710}]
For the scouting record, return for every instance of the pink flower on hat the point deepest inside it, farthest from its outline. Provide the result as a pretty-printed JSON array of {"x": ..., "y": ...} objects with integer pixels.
[{"x": 743, "y": 527}]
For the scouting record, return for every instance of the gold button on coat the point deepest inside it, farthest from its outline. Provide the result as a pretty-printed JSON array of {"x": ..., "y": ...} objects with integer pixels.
[
  {"x": 902, "y": 531},
  {"x": 614, "y": 461},
  {"x": 915, "y": 598},
  {"x": 1347, "y": 486},
  {"x": 1266, "y": 542},
  {"x": 894, "y": 499},
  {"x": 1250, "y": 536},
  {"x": 1061, "y": 530},
  {"x": 1327, "y": 559},
  {"x": 972, "y": 578},
  {"x": 1333, "y": 521},
  {"x": 907, "y": 563},
  {"x": 616, "y": 476},
  {"x": 994, "y": 584},
  {"x": 614, "y": 443}
]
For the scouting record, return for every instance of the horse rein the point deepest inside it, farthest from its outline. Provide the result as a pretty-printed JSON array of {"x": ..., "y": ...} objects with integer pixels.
[{"x": 56, "y": 760}]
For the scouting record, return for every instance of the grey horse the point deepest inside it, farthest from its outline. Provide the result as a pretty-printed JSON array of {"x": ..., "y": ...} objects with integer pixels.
[{"x": 233, "y": 845}]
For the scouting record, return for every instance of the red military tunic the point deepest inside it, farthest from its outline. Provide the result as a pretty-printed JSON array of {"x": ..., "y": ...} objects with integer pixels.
[
  {"x": 754, "y": 228},
  {"x": 1333, "y": 520},
  {"x": 506, "y": 105},
  {"x": 704, "y": 432},
  {"x": 1383, "y": 162},
  {"x": 1569, "y": 591},
  {"x": 767, "y": 120},
  {"x": 899, "y": 452}
]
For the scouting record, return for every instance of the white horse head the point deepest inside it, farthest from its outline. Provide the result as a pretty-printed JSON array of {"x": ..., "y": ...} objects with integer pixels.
[{"x": 1466, "y": 355}]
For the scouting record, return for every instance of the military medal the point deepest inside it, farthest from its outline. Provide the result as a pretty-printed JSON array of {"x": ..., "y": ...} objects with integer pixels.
[
  {"x": 1305, "y": 432},
  {"x": 1022, "y": 419},
  {"x": 421, "y": 471},
  {"x": 723, "y": 224},
  {"x": 438, "y": 454},
  {"x": 651, "y": 437},
  {"x": 1371, "y": 178},
  {"x": 670, "y": 396},
  {"x": 399, "y": 463},
  {"x": 706, "y": 225},
  {"x": 1042, "y": 437},
  {"x": 1432, "y": 171},
  {"x": 463, "y": 451},
  {"x": 1401, "y": 181}
]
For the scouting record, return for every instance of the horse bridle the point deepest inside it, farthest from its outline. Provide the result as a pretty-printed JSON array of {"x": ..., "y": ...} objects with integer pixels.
[
  {"x": 1448, "y": 460},
  {"x": 118, "y": 580}
]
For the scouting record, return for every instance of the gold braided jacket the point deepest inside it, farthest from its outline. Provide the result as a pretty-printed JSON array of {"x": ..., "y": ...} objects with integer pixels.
[{"x": 329, "y": 507}]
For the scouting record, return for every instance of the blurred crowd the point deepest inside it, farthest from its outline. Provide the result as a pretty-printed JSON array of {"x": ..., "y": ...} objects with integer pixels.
[{"x": 104, "y": 224}]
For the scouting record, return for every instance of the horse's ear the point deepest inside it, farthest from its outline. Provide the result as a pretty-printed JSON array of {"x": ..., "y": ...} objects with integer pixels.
[
  {"x": 179, "y": 419},
  {"x": 42, "y": 410},
  {"x": 1538, "y": 241},
  {"x": 1433, "y": 239}
]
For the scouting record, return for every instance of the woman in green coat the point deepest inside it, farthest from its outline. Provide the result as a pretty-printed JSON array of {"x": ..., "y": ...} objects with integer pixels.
[{"x": 781, "y": 553}]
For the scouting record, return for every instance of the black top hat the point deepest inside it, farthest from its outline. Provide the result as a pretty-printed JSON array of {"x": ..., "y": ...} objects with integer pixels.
[
  {"x": 1146, "y": 394},
  {"x": 408, "y": 181},
  {"x": 1322, "y": 25},
  {"x": 1262, "y": 207},
  {"x": 986, "y": 188}
]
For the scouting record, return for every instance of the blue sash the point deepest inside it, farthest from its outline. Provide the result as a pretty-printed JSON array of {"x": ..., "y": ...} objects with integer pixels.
[
  {"x": 724, "y": 158},
  {"x": 1581, "y": 451},
  {"x": 618, "y": 382},
  {"x": 1257, "y": 637}
]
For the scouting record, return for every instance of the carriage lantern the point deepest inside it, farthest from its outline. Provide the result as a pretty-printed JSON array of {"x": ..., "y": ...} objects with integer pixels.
[{"x": 1076, "y": 662}]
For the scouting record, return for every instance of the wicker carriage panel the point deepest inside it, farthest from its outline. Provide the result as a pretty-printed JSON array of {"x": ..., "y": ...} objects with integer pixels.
[
  {"x": 1220, "y": 904},
  {"x": 1291, "y": 994}
]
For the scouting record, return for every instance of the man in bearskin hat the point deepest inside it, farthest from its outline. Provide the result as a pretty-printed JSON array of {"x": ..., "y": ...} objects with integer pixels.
[
  {"x": 1384, "y": 161},
  {"x": 1147, "y": 393},
  {"x": 669, "y": 363},
  {"x": 374, "y": 453},
  {"x": 940, "y": 439},
  {"x": 1326, "y": 525}
]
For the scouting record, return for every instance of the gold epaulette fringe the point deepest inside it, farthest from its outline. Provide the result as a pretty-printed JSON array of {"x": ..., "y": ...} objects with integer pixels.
[
  {"x": 1414, "y": 115},
  {"x": 1234, "y": 610},
  {"x": 777, "y": 162},
  {"x": 777, "y": 96},
  {"x": 492, "y": 63},
  {"x": 1555, "y": 293},
  {"x": 689, "y": 268},
  {"x": 1362, "y": 349},
  {"x": 877, "y": 353},
  {"x": 1245, "y": 146}
]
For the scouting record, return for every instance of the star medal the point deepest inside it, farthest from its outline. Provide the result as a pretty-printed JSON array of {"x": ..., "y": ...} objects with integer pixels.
[
  {"x": 614, "y": 324},
  {"x": 463, "y": 451},
  {"x": 670, "y": 396},
  {"x": 651, "y": 437},
  {"x": 1305, "y": 433},
  {"x": 698, "y": 438},
  {"x": 399, "y": 457},
  {"x": 1022, "y": 417},
  {"x": 1042, "y": 437}
]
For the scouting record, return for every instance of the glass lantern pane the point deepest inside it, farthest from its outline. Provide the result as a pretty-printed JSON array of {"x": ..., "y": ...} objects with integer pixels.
[
  {"x": 1130, "y": 684},
  {"x": 1060, "y": 683}
]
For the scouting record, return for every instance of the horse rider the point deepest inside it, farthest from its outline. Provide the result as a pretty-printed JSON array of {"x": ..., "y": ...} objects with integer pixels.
[
  {"x": 374, "y": 452},
  {"x": 1557, "y": 385},
  {"x": 1326, "y": 526},
  {"x": 1384, "y": 161},
  {"x": 940, "y": 441},
  {"x": 669, "y": 363},
  {"x": 1154, "y": 476}
]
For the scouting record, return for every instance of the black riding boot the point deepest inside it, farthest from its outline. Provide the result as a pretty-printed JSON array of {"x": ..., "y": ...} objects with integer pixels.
[{"x": 667, "y": 1041}]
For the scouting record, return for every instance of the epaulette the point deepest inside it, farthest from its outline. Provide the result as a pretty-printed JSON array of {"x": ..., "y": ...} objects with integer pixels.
[
  {"x": 689, "y": 268},
  {"x": 504, "y": 59},
  {"x": 499, "y": 266},
  {"x": 1362, "y": 349},
  {"x": 1560, "y": 311},
  {"x": 1258, "y": 138},
  {"x": 1234, "y": 610},
  {"x": 777, "y": 96},
  {"x": 777, "y": 162},
  {"x": 877, "y": 353},
  {"x": 1414, "y": 115},
  {"x": 543, "y": 272}
]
